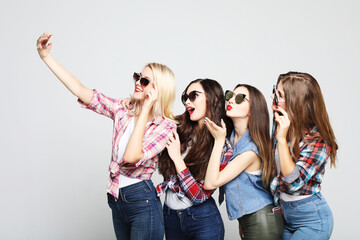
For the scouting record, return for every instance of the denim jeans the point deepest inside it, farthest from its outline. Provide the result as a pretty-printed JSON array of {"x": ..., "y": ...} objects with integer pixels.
[
  {"x": 198, "y": 222},
  {"x": 310, "y": 218},
  {"x": 137, "y": 214}
]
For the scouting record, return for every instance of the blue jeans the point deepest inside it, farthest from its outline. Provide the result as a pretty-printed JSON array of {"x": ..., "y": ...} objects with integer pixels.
[
  {"x": 310, "y": 218},
  {"x": 199, "y": 222},
  {"x": 137, "y": 213}
]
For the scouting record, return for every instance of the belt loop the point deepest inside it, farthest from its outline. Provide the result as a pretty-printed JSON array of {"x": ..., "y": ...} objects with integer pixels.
[
  {"x": 119, "y": 195},
  {"x": 188, "y": 210},
  {"x": 147, "y": 182},
  {"x": 319, "y": 195},
  {"x": 168, "y": 210}
]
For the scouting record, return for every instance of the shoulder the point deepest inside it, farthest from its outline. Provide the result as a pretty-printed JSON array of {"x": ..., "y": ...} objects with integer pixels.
[{"x": 162, "y": 122}]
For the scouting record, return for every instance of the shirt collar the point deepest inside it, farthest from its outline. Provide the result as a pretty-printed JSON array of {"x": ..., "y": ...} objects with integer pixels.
[{"x": 242, "y": 141}]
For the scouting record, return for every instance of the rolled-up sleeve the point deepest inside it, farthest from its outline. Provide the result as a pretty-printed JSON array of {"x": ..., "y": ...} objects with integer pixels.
[
  {"x": 156, "y": 141},
  {"x": 102, "y": 105},
  {"x": 312, "y": 160}
]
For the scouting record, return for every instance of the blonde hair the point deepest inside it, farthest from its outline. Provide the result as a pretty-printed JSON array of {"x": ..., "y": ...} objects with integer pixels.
[{"x": 164, "y": 79}]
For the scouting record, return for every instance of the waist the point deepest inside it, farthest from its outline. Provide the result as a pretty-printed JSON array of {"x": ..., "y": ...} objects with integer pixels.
[
  {"x": 310, "y": 198},
  {"x": 176, "y": 202},
  {"x": 267, "y": 209},
  {"x": 127, "y": 181},
  {"x": 209, "y": 203},
  {"x": 290, "y": 198},
  {"x": 140, "y": 186}
]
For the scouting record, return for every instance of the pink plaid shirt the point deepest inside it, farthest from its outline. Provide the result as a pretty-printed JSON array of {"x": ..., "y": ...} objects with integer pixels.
[{"x": 154, "y": 140}]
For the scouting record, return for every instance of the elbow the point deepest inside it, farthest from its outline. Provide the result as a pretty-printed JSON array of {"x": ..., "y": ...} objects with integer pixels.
[
  {"x": 129, "y": 158},
  {"x": 208, "y": 186}
]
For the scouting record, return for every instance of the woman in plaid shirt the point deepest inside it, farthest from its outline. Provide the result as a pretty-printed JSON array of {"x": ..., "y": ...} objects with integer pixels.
[
  {"x": 305, "y": 140},
  {"x": 189, "y": 210},
  {"x": 138, "y": 137}
]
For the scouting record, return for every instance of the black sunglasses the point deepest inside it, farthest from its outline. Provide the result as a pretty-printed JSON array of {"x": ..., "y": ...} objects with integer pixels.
[
  {"x": 276, "y": 100},
  {"x": 191, "y": 96},
  {"x": 143, "y": 81},
  {"x": 239, "y": 98}
]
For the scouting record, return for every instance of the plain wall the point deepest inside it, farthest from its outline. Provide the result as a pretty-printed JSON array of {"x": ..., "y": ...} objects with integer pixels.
[{"x": 55, "y": 155}]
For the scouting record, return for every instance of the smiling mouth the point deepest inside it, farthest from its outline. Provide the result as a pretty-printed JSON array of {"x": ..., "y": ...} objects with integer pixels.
[
  {"x": 137, "y": 90},
  {"x": 190, "y": 110}
]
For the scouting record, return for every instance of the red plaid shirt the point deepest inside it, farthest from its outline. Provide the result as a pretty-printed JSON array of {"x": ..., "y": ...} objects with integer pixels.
[
  {"x": 309, "y": 168},
  {"x": 154, "y": 140},
  {"x": 185, "y": 184}
]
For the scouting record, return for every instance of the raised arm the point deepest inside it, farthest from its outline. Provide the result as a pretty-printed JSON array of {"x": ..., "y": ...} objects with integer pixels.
[
  {"x": 193, "y": 189},
  {"x": 134, "y": 149},
  {"x": 215, "y": 178},
  {"x": 73, "y": 84}
]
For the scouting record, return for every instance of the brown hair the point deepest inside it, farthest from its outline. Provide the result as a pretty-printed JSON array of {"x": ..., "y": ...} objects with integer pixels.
[
  {"x": 306, "y": 109},
  {"x": 259, "y": 128},
  {"x": 200, "y": 141}
]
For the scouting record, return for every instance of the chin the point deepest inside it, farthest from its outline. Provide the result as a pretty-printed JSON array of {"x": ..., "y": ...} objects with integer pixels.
[
  {"x": 137, "y": 96},
  {"x": 194, "y": 118}
]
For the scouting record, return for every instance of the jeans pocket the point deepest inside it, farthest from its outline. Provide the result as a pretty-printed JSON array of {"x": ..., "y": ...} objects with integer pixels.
[
  {"x": 275, "y": 223},
  {"x": 306, "y": 208},
  {"x": 138, "y": 195},
  {"x": 204, "y": 212}
]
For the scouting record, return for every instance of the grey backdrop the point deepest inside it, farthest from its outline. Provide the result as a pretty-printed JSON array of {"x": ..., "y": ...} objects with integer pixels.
[{"x": 55, "y": 155}]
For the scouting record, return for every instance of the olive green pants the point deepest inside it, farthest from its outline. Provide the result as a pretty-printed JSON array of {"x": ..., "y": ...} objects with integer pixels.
[{"x": 262, "y": 224}]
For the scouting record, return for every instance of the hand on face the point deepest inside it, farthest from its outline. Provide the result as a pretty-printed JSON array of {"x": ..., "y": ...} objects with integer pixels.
[
  {"x": 173, "y": 146},
  {"x": 151, "y": 95},
  {"x": 216, "y": 131},
  {"x": 44, "y": 44},
  {"x": 283, "y": 123}
]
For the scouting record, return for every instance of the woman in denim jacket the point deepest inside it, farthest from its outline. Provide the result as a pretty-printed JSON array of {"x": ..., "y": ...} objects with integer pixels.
[
  {"x": 248, "y": 173},
  {"x": 305, "y": 141}
]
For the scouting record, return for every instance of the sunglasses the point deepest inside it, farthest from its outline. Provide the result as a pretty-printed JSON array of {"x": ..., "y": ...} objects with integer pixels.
[
  {"x": 143, "y": 81},
  {"x": 239, "y": 98},
  {"x": 191, "y": 96}
]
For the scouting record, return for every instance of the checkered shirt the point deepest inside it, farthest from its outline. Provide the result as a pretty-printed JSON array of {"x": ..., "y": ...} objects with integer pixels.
[
  {"x": 154, "y": 140},
  {"x": 310, "y": 168},
  {"x": 184, "y": 184}
]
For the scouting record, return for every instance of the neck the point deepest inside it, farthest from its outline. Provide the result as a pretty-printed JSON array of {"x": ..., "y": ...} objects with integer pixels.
[{"x": 240, "y": 128}]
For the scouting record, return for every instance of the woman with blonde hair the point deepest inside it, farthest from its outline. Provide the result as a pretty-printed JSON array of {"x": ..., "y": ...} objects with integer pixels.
[
  {"x": 138, "y": 137},
  {"x": 303, "y": 142}
]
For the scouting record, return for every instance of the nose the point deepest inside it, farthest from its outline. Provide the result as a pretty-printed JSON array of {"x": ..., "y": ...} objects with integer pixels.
[
  {"x": 272, "y": 96},
  {"x": 137, "y": 82}
]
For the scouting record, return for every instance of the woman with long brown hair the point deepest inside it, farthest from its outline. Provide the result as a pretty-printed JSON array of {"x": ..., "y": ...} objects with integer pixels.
[
  {"x": 189, "y": 210},
  {"x": 246, "y": 177},
  {"x": 304, "y": 142}
]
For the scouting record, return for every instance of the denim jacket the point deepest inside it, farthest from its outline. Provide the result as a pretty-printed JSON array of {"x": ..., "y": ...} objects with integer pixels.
[{"x": 245, "y": 194}]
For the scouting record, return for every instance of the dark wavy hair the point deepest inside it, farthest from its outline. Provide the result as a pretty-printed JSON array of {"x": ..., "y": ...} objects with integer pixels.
[{"x": 200, "y": 139}]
